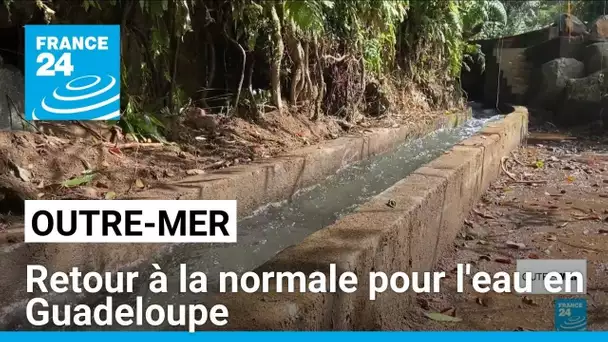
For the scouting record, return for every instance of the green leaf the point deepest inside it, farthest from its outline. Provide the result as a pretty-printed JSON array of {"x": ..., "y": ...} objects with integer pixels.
[
  {"x": 77, "y": 181},
  {"x": 439, "y": 317},
  {"x": 328, "y": 3}
]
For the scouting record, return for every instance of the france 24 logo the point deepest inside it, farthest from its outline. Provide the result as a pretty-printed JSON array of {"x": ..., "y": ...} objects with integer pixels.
[
  {"x": 72, "y": 72},
  {"x": 571, "y": 314}
]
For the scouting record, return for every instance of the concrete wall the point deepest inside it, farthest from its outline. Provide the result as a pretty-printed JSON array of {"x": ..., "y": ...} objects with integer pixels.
[
  {"x": 252, "y": 185},
  {"x": 512, "y": 64},
  {"x": 431, "y": 205},
  {"x": 515, "y": 71}
]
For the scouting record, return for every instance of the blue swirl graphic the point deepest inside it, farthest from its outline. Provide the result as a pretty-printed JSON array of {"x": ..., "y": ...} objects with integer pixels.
[
  {"x": 82, "y": 98},
  {"x": 574, "y": 323}
]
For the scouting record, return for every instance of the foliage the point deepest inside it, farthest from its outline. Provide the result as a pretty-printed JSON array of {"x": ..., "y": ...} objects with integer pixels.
[
  {"x": 525, "y": 16},
  {"x": 316, "y": 51},
  {"x": 588, "y": 11},
  {"x": 487, "y": 16}
]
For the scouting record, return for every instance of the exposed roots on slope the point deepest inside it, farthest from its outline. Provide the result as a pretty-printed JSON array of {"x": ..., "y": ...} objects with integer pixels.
[{"x": 13, "y": 191}]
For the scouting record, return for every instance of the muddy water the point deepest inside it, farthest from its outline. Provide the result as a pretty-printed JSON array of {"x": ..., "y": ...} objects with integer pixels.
[{"x": 279, "y": 225}]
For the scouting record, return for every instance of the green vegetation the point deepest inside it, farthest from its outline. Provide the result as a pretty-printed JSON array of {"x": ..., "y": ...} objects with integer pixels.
[
  {"x": 243, "y": 57},
  {"x": 525, "y": 16}
]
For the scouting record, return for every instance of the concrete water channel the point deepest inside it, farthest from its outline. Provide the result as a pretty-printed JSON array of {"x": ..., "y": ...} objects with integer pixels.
[{"x": 277, "y": 226}]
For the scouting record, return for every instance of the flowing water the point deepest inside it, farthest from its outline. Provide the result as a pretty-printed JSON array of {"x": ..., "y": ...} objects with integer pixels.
[{"x": 279, "y": 225}]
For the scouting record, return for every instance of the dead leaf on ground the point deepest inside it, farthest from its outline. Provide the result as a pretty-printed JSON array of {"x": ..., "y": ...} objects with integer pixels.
[
  {"x": 139, "y": 183},
  {"x": 110, "y": 195},
  {"x": 485, "y": 257},
  {"x": 481, "y": 301},
  {"x": 588, "y": 217},
  {"x": 524, "y": 329},
  {"x": 23, "y": 174},
  {"x": 193, "y": 172},
  {"x": 529, "y": 301},
  {"x": 503, "y": 260},
  {"x": 533, "y": 256},
  {"x": 90, "y": 192},
  {"x": 484, "y": 215},
  {"x": 423, "y": 303},
  {"x": 451, "y": 311},
  {"x": 115, "y": 151},
  {"x": 515, "y": 245},
  {"x": 101, "y": 185},
  {"x": 439, "y": 317}
]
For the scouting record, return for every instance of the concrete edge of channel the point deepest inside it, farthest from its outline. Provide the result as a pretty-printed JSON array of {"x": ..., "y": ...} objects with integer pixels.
[
  {"x": 251, "y": 185},
  {"x": 429, "y": 208}
]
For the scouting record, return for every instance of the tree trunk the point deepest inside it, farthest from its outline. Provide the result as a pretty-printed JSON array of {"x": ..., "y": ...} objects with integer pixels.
[
  {"x": 277, "y": 56},
  {"x": 256, "y": 112},
  {"x": 321, "y": 81},
  {"x": 307, "y": 81},
  {"x": 211, "y": 68},
  {"x": 174, "y": 48},
  {"x": 296, "y": 52},
  {"x": 249, "y": 67},
  {"x": 243, "y": 64}
]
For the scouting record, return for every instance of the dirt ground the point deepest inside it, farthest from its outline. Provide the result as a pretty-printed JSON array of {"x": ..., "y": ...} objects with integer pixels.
[
  {"x": 563, "y": 215},
  {"x": 551, "y": 201},
  {"x": 84, "y": 161}
]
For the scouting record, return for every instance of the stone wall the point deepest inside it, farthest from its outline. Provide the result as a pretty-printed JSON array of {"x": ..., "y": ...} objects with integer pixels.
[
  {"x": 520, "y": 69},
  {"x": 505, "y": 57}
]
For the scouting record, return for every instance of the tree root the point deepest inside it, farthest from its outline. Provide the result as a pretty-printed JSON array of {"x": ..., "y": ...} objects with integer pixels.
[
  {"x": 516, "y": 160},
  {"x": 504, "y": 169},
  {"x": 514, "y": 179}
]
